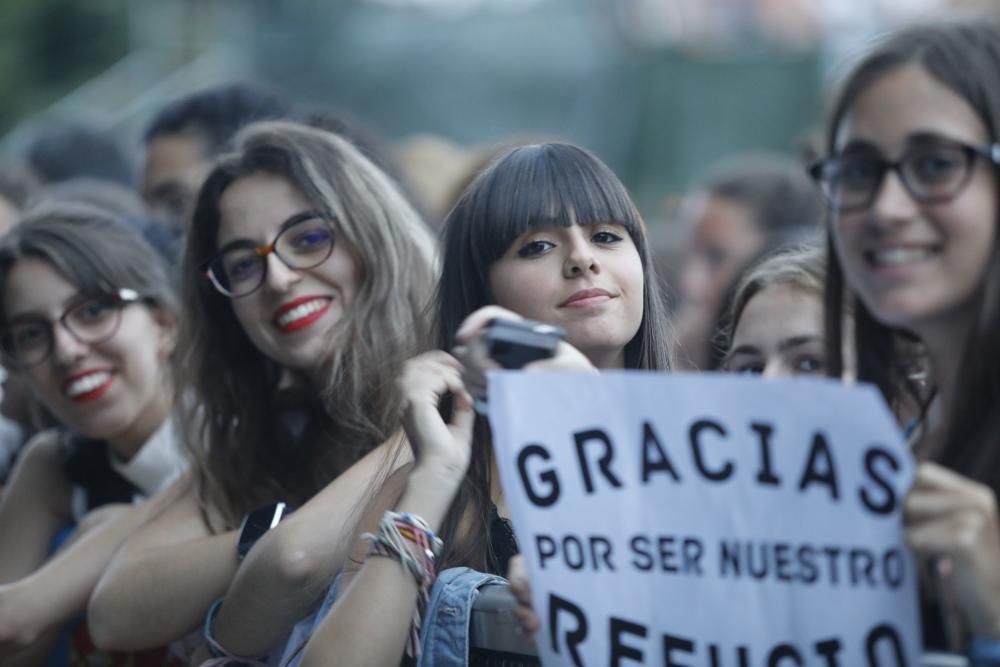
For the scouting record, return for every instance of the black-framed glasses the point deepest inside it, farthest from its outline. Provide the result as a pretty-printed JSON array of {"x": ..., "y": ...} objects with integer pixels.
[
  {"x": 29, "y": 340},
  {"x": 305, "y": 241},
  {"x": 932, "y": 172}
]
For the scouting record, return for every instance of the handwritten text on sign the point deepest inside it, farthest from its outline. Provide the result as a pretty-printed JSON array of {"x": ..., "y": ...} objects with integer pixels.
[{"x": 708, "y": 520}]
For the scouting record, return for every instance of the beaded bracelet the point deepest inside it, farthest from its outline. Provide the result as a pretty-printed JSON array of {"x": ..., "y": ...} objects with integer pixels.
[
  {"x": 220, "y": 656},
  {"x": 396, "y": 532}
]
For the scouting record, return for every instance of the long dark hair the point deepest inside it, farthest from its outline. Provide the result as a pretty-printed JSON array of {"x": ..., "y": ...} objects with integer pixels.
[
  {"x": 965, "y": 57},
  {"x": 529, "y": 187},
  {"x": 232, "y": 408}
]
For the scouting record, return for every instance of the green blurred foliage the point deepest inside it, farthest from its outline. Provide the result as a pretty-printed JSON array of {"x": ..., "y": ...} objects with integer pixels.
[{"x": 49, "y": 47}]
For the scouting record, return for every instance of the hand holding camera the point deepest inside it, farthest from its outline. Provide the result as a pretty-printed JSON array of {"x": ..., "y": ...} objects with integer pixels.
[{"x": 494, "y": 338}]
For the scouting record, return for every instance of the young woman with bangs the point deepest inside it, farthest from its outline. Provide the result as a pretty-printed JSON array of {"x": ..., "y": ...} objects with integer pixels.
[
  {"x": 88, "y": 322},
  {"x": 912, "y": 177},
  {"x": 306, "y": 277},
  {"x": 775, "y": 325},
  {"x": 548, "y": 233}
]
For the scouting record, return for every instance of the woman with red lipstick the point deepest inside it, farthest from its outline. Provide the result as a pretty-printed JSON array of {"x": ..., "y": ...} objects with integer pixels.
[
  {"x": 307, "y": 274},
  {"x": 914, "y": 149},
  {"x": 548, "y": 233},
  {"x": 88, "y": 322}
]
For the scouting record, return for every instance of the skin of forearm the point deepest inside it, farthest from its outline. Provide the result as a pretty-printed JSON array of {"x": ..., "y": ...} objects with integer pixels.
[
  {"x": 383, "y": 596},
  {"x": 60, "y": 590},
  {"x": 35, "y": 505},
  {"x": 277, "y": 585},
  {"x": 286, "y": 574},
  {"x": 383, "y": 593},
  {"x": 156, "y": 595}
]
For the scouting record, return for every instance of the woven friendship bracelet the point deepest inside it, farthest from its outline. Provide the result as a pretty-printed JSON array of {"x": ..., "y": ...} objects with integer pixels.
[{"x": 407, "y": 538}]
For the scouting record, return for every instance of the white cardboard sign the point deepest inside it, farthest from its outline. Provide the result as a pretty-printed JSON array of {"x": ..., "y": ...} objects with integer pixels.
[{"x": 717, "y": 520}]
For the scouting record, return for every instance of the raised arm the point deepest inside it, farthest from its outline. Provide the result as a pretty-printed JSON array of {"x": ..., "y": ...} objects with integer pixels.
[
  {"x": 163, "y": 579},
  {"x": 370, "y": 621},
  {"x": 286, "y": 574},
  {"x": 33, "y": 507}
]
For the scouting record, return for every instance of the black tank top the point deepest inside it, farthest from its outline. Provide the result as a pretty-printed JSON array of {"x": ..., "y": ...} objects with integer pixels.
[{"x": 503, "y": 543}]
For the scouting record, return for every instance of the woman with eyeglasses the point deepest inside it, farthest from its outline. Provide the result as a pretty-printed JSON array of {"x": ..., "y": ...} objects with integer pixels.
[
  {"x": 306, "y": 277},
  {"x": 913, "y": 185},
  {"x": 88, "y": 321}
]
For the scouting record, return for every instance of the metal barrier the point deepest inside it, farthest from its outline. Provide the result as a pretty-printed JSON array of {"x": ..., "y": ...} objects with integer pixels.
[{"x": 494, "y": 640}]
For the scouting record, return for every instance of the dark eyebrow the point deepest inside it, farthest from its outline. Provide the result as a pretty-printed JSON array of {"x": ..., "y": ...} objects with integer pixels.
[
  {"x": 921, "y": 138},
  {"x": 798, "y": 341},
  {"x": 28, "y": 316},
  {"x": 73, "y": 301},
  {"x": 296, "y": 218},
  {"x": 299, "y": 217},
  {"x": 927, "y": 137}
]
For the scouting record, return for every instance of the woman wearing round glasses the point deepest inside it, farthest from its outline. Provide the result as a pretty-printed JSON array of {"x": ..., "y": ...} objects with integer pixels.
[
  {"x": 307, "y": 276},
  {"x": 88, "y": 321},
  {"x": 913, "y": 185}
]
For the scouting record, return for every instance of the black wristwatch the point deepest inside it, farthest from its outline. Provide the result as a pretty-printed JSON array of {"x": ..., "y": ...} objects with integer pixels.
[{"x": 258, "y": 522}]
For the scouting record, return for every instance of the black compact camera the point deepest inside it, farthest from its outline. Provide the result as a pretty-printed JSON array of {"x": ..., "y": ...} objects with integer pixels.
[{"x": 514, "y": 343}]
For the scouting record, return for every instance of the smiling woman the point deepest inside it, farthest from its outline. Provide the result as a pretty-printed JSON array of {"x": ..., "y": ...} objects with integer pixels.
[
  {"x": 88, "y": 321},
  {"x": 307, "y": 275},
  {"x": 911, "y": 176},
  {"x": 270, "y": 235},
  {"x": 535, "y": 278}
]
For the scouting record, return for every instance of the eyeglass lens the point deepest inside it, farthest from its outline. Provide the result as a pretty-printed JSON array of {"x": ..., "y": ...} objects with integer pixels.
[
  {"x": 30, "y": 341},
  {"x": 303, "y": 245},
  {"x": 929, "y": 174}
]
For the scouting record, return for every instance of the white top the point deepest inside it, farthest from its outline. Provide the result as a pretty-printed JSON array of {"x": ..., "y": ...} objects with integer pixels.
[{"x": 158, "y": 462}]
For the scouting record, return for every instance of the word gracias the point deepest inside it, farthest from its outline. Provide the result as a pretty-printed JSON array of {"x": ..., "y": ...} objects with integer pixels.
[{"x": 707, "y": 442}]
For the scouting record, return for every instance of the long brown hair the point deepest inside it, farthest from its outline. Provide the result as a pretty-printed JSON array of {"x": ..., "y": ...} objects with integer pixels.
[
  {"x": 233, "y": 410},
  {"x": 964, "y": 57}
]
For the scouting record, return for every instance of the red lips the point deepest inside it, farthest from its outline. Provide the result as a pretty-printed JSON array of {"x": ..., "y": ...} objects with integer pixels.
[
  {"x": 300, "y": 313},
  {"x": 87, "y": 386}
]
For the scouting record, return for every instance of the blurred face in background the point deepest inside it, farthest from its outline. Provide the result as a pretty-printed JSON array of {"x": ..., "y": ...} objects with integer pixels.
[
  {"x": 724, "y": 237},
  {"x": 176, "y": 166}
]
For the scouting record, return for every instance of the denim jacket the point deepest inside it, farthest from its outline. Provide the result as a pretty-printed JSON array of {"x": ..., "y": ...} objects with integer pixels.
[{"x": 444, "y": 637}]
